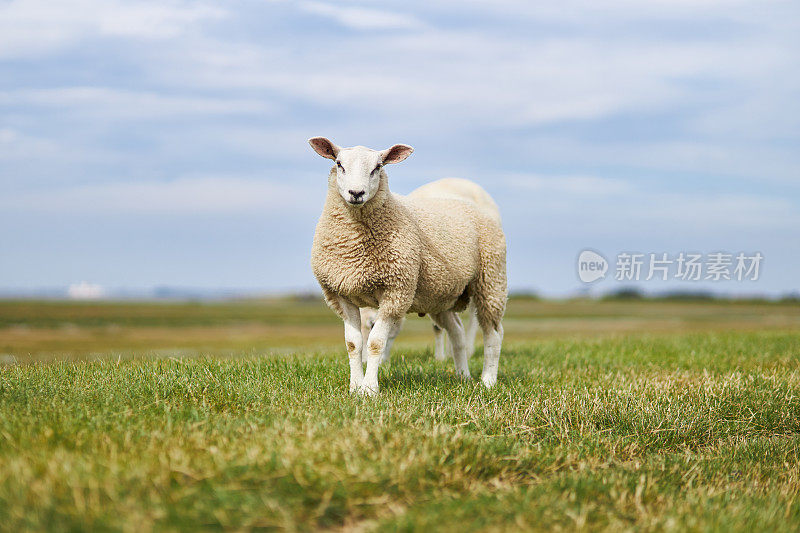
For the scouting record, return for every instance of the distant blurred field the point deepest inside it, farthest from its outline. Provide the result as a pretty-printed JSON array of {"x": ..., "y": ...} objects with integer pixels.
[
  {"x": 42, "y": 331},
  {"x": 608, "y": 415}
]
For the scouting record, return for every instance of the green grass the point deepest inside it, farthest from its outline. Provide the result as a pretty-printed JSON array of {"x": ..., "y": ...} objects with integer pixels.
[
  {"x": 592, "y": 424},
  {"x": 669, "y": 431}
]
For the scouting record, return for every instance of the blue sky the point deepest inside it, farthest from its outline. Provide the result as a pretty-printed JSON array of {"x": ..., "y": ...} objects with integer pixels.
[{"x": 148, "y": 144}]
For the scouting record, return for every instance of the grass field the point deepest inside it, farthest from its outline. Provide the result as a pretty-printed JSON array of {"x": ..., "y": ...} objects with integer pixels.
[{"x": 607, "y": 415}]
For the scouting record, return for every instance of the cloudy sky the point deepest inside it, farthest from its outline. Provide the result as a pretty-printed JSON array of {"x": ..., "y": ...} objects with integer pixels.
[{"x": 163, "y": 143}]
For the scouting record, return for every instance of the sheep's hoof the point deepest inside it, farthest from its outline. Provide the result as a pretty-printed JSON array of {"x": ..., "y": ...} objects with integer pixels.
[
  {"x": 355, "y": 387},
  {"x": 368, "y": 390},
  {"x": 489, "y": 381},
  {"x": 463, "y": 374}
]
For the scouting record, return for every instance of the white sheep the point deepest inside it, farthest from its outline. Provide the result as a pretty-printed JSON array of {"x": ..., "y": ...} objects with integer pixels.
[
  {"x": 373, "y": 248},
  {"x": 443, "y": 188}
]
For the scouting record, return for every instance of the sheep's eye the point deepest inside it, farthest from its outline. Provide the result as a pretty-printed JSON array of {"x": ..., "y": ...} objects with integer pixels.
[
  {"x": 376, "y": 169},
  {"x": 339, "y": 164}
]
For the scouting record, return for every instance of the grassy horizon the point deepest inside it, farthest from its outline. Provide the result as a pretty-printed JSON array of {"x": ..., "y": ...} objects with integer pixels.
[
  {"x": 33, "y": 331},
  {"x": 608, "y": 421}
]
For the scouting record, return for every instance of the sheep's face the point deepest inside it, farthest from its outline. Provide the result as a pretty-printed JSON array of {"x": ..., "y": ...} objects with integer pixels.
[
  {"x": 358, "y": 169},
  {"x": 358, "y": 174}
]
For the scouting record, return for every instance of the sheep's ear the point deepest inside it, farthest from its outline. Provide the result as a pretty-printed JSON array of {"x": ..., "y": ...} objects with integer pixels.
[
  {"x": 396, "y": 153},
  {"x": 324, "y": 147}
]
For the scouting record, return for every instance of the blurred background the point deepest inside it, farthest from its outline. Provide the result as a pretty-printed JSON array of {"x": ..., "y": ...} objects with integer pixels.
[{"x": 159, "y": 148}]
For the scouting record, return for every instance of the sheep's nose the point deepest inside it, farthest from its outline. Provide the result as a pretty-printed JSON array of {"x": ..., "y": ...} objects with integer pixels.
[{"x": 356, "y": 194}]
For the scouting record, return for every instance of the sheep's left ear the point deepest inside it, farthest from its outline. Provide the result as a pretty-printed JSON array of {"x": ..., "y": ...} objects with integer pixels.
[{"x": 396, "y": 153}]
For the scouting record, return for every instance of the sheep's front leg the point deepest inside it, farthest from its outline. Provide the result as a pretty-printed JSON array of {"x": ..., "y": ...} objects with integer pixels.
[
  {"x": 353, "y": 340},
  {"x": 382, "y": 333}
]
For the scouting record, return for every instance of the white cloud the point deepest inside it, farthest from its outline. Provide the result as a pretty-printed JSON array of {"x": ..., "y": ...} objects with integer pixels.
[
  {"x": 131, "y": 104},
  {"x": 599, "y": 12},
  {"x": 716, "y": 158},
  {"x": 8, "y": 136},
  {"x": 363, "y": 18},
  {"x": 580, "y": 185},
  {"x": 16, "y": 145},
  {"x": 188, "y": 195},
  {"x": 480, "y": 78},
  {"x": 586, "y": 209},
  {"x": 32, "y": 27},
  {"x": 710, "y": 212}
]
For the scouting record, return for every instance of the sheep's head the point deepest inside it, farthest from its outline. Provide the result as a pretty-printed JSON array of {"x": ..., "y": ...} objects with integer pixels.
[{"x": 358, "y": 169}]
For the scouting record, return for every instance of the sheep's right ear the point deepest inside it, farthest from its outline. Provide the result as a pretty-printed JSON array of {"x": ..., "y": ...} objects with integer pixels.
[{"x": 324, "y": 147}]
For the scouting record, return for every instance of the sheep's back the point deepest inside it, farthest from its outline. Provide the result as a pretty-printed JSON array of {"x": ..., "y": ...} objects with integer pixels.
[{"x": 460, "y": 189}]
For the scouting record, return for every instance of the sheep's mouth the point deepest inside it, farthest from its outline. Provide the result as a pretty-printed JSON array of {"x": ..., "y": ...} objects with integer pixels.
[{"x": 355, "y": 202}]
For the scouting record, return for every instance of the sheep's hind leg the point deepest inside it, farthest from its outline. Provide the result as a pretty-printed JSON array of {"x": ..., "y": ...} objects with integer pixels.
[
  {"x": 492, "y": 340},
  {"x": 377, "y": 343},
  {"x": 455, "y": 331},
  {"x": 440, "y": 349},
  {"x": 368, "y": 316},
  {"x": 364, "y": 336},
  {"x": 472, "y": 329},
  {"x": 353, "y": 340},
  {"x": 490, "y": 303},
  {"x": 386, "y": 357}
]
